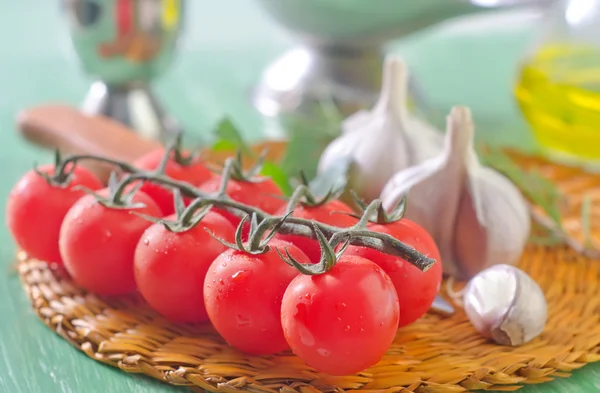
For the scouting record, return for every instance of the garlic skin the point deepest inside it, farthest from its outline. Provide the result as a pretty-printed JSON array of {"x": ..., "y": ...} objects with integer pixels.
[
  {"x": 505, "y": 305},
  {"x": 385, "y": 139},
  {"x": 483, "y": 223},
  {"x": 477, "y": 217}
]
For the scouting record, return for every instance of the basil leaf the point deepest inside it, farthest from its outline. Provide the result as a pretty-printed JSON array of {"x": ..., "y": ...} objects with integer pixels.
[
  {"x": 334, "y": 178},
  {"x": 223, "y": 145},
  {"x": 276, "y": 173},
  {"x": 230, "y": 138}
]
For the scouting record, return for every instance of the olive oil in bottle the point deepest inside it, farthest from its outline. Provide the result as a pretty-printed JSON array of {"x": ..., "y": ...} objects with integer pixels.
[{"x": 558, "y": 91}]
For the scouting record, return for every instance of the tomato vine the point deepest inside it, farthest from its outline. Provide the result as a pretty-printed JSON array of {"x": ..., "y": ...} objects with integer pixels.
[{"x": 330, "y": 237}]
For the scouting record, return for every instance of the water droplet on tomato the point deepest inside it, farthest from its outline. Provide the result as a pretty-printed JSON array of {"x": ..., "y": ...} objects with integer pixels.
[
  {"x": 381, "y": 324},
  {"x": 324, "y": 352},
  {"x": 347, "y": 328},
  {"x": 362, "y": 330},
  {"x": 301, "y": 311},
  {"x": 340, "y": 306},
  {"x": 221, "y": 281},
  {"x": 301, "y": 316},
  {"x": 146, "y": 241},
  {"x": 108, "y": 234},
  {"x": 220, "y": 290},
  {"x": 307, "y": 296},
  {"x": 224, "y": 264},
  {"x": 242, "y": 321},
  {"x": 238, "y": 276},
  {"x": 339, "y": 319}
]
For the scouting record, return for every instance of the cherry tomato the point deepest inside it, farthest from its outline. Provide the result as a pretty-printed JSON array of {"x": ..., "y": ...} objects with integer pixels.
[
  {"x": 170, "y": 267},
  {"x": 35, "y": 210},
  {"x": 97, "y": 243},
  {"x": 243, "y": 292},
  {"x": 257, "y": 194},
  {"x": 331, "y": 213},
  {"x": 195, "y": 174},
  {"x": 343, "y": 321},
  {"x": 416, "y": 289}
]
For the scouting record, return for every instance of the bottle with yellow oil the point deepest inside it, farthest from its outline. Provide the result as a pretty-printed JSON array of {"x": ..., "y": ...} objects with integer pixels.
[{"x": 558, "y": 86}]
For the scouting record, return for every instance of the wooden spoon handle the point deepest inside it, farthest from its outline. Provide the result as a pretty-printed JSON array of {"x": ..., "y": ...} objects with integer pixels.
[{"x": 72, "y": 132}]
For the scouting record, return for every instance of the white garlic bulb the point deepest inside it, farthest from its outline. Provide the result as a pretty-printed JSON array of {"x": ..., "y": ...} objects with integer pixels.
[
  {"x": 385, "y": 139},
  {"x": 477, "y": 217},
  {"x": 506, "y": 305}
]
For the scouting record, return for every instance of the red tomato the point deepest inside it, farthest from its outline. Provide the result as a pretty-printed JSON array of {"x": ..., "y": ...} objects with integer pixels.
[
  {"x": 259, "y": 195},
  {"x": 343, "y": 321},
  {"x": 170, "y": 267},
  {"x": 243, "y": 292},
  {"x": 35, "y": 210},
  {"x": 97, "y": 243},
  {"x": 416, "y": 289},
  {"x": 195, "y": 174},
  {"x": 331, "y": 213}
]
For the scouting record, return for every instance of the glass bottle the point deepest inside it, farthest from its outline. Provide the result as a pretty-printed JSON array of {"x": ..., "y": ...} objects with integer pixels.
[{"x": 558, "y": 87}]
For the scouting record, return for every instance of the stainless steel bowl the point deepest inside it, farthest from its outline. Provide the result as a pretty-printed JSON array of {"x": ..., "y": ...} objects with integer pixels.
[{"x": 341, "y": 42}]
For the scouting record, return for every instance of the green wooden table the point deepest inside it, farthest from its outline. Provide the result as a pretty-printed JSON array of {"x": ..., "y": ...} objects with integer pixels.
[{"x": 221, "y": 56}]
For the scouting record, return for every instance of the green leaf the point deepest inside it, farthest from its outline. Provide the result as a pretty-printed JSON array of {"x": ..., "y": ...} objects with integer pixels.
[
  {"x": 223, "y": 145},
  {"x": 308, "y": 135},
  {"x": 229, "y": 137},
  {"x": 335, "y": 178},
  {"x": 277, "y": 174},
  {"x": 303, "y": 153}
]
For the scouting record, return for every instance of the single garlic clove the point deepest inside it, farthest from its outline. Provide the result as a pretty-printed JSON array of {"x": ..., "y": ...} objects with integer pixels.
[
  {"x": 493, "y": 223},
  {"x": 505, "y": 305}
]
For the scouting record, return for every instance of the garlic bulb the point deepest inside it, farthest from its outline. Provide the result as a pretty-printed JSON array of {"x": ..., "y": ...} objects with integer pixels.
[
  {"x": 477, "y": 217},
  {"x": 506, "y": 305},
  {"x": 384, "y": 140}
]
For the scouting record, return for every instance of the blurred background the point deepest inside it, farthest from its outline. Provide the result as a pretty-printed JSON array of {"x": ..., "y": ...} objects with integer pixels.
[
  {"x": 261, "y": 63},
  {"x": 225, "y": 48}
]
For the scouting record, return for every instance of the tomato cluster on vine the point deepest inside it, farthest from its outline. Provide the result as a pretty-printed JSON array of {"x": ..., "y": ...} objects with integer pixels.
[{"x": 200, "y": 270}]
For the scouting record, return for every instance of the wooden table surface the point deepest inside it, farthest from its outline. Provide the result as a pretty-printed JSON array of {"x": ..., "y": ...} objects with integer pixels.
[{"x": 227, "y": 44}]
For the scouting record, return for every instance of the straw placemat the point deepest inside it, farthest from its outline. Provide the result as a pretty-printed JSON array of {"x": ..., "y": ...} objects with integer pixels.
[{"x": 434, "y": 355}]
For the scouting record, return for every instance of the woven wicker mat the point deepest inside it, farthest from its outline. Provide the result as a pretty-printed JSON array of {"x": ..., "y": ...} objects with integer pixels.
[{"x": 433, "y": 355}]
